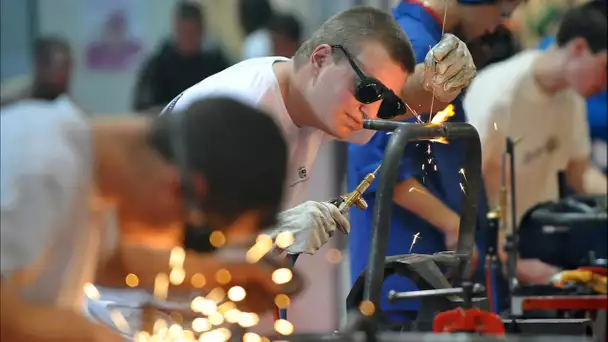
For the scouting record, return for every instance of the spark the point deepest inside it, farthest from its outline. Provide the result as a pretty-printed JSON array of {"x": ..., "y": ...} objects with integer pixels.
[
  {"x": 415, "y": 113},
  {"x": 416, "y": 236},
  {"x": 495, "y": 127},
  {"x": 416, "y": 189},
  {"x": 462, "y": 188},
  {"x": 435, "y": 167},
  {"x": 120, "y": 321},
  {"x": 463, "y": 175},
  {"x": 283, "y": 327}
]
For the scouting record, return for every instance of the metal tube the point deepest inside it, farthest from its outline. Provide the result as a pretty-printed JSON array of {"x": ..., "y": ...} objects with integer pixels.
[
  {"x": 402, "y": 134},
  {"x": 513, "y": 239},
  {"x": 454, "y": 291}
]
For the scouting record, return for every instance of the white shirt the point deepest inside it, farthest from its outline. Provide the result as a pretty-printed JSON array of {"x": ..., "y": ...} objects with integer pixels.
[
  {"x": 503, "y": 101},
  {"x": 51, "y": 239},
  {"x": 254, "y": 82}
]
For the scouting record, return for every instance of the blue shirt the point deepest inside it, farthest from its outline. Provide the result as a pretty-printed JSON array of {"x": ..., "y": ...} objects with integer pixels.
[{"x": 424, "y": 31}]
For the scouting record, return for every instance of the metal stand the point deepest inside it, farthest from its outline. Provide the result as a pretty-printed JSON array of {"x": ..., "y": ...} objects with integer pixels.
[
  {"x": 404, "y": 133},
  {"x": 512, "y": 240}
]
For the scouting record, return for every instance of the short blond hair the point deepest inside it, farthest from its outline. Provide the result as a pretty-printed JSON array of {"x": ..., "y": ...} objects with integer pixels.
[{"x": 357, "y": 26}]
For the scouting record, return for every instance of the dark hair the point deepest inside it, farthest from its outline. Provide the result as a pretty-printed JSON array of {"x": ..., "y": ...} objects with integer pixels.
[
  {"x": 238, "y": 150},
  {"x": 355, "y": 27},
  {"x": 190, "y": 11},
  {"x": 587, "y": 21},
  {"x": 286, "y": 25},
  {"x": 254, "y": 14},
  {"x": 45, "y": 47}
]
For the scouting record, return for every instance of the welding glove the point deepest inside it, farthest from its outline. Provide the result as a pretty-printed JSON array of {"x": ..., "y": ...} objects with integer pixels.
[
  {"x": 448, "y": 68},
  {"x": 312, "y": 224}
]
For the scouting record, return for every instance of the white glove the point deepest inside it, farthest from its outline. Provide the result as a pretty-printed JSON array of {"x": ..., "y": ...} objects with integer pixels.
[
  {"x": 311, "y": 224},
  {"x": 448, "y": 68}
]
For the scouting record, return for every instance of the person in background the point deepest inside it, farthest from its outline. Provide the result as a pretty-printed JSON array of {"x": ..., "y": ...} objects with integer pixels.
[
  {"x": 52, "y": 71},
  {"x": 180, "y": 63},
  {"x": 255, "y": 16},
  {"x": 597, "y": 109},
  {"x": 428, "y": 195},
  {"x": 538, "y": 97},
  {"x": 286, "y": 34}
]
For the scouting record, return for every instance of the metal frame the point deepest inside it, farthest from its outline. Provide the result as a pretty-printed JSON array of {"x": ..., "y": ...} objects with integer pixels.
[{"x": 404, "y": 133}]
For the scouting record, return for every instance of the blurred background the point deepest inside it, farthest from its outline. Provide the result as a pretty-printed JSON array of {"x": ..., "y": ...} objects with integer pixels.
[{"x": 116, "y": 45}]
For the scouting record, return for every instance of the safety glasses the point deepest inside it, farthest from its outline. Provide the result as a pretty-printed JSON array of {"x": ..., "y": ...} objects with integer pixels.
[{"x": 369, "y": 90}]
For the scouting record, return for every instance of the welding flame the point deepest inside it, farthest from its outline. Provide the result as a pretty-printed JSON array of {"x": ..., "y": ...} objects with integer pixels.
[
  {"x": 441, "y": 117},
  {"x": 444, "y": 114}
]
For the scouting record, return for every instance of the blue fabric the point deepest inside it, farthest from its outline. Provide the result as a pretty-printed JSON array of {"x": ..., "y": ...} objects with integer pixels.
[{"x": 423, "y": 31}]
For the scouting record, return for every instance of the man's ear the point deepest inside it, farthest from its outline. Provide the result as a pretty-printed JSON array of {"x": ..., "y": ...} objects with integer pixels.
[
  {"x": 198, "y": 181},
  {"x": 320, "y": 57},
  {"x": 578, "y": 47}
]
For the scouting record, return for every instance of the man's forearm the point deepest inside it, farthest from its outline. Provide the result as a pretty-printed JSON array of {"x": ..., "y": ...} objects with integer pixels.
[
  {"x": 594, "y": 181},
  {"x": 585, "y": 178},
  {"x": 416, "y": 97},
  {"x": 414, "y": 197},
  {"x": 20, "y": 321}
]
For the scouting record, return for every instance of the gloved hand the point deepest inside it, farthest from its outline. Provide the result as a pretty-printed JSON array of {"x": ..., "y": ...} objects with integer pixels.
[
  {"x": 448, "y": 68},
  {"x": 312, "y": 224}
]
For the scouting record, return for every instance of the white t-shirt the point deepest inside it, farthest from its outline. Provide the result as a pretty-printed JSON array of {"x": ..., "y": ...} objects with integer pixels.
[
  {"x": 503, "y": 101},
  {"x": 51, "y": 236},
  {"x": 254, "y": 82}
]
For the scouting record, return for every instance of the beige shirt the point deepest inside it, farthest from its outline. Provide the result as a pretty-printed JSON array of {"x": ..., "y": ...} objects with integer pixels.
[{"x": 505, "y": 101}]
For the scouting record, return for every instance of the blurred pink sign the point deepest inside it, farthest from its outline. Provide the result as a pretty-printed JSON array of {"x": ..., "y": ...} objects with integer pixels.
[{"x": 113, "y": 34}]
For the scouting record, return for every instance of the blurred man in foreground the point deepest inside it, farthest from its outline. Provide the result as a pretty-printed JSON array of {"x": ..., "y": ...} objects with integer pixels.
[{"x": 60, "y": 186}]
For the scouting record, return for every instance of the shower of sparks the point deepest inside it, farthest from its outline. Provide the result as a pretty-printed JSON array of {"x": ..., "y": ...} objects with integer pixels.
[
  {"x": 214, "y": 313},
  {"x": 416, "y": 236}
]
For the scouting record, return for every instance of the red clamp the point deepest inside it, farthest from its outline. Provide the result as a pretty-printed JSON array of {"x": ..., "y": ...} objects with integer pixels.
[{"x": 469, "y": 320}]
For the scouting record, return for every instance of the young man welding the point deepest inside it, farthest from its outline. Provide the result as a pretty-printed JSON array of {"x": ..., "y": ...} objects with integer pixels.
[
  {"x": 61, "y": 172},
  {"x": 341, "y": 75},
  {"x": 427, "y": 198},
  {"x": 537, "y": 98}
]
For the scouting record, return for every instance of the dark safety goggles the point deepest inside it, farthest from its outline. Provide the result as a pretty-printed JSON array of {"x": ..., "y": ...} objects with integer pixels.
[{"x": 369, "y": 90}]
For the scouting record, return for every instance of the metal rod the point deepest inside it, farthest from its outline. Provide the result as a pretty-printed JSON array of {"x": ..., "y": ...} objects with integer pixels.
[
  {"x": 512, "y": 240},
  {"x": 394, "y": 295},
  {"x": 402, "y": 134}
]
